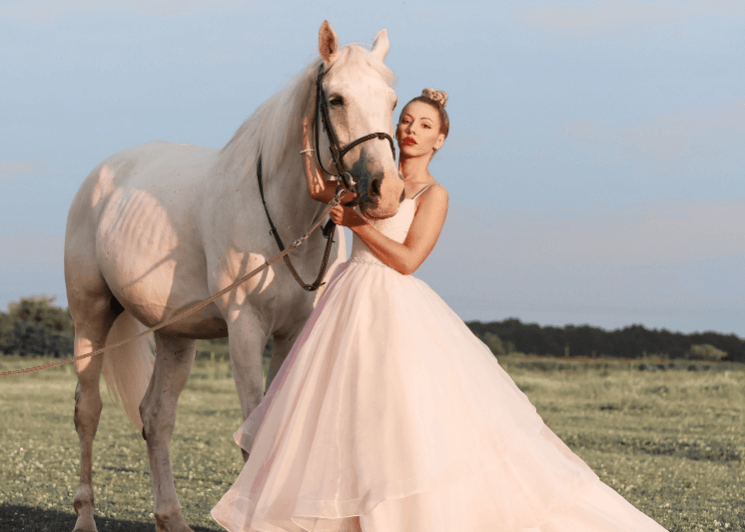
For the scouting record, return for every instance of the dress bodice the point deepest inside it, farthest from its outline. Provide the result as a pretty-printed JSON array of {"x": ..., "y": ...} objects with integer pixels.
[{"x": 396, "y": 228}]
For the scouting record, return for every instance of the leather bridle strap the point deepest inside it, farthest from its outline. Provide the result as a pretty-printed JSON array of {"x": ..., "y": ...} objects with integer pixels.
[
  {"x": 337, "y": 151},
  {"x": 379, "y": 135},
  {"x": 328, "y": 233}
]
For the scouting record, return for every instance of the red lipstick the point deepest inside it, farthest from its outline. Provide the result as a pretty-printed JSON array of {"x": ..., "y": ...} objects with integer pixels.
[{"x": 409, "y": 141}]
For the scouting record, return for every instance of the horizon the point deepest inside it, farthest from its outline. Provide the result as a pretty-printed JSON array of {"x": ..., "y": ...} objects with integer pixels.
[{"x": 52, "y": 300}]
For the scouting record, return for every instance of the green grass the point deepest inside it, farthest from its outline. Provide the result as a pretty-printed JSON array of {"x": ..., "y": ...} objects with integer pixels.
[{"x": 672, "y": 442}]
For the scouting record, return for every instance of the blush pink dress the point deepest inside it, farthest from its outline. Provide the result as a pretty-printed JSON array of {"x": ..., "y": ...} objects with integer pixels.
[{"x": 389, "y": 415}]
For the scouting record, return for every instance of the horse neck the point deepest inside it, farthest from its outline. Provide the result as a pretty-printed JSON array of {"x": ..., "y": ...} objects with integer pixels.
[{"x": 274, "y": 133}]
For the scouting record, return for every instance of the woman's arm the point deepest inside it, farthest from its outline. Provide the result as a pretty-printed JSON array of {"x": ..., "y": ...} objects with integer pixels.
[
  {"x": 403, "y": 257},
  {"x": 319, "y": 188}
]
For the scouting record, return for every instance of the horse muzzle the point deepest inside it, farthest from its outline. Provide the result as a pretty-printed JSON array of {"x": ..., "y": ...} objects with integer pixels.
[{"x": 380, "y": 193}]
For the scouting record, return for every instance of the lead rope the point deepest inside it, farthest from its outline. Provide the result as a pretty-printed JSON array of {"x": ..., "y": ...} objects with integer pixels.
[{"x": 333, "y": 203}]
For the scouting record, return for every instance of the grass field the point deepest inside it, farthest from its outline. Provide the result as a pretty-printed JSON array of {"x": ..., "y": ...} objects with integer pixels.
[{"x": 672, "y": 442}]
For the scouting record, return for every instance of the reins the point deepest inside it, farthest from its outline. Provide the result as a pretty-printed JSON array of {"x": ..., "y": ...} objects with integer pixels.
[
  {"x": 328, "y": 232},
  {"x": 333, "y": 203}
]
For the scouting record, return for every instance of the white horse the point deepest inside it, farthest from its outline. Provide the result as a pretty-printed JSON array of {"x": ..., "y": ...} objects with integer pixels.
[{"x": 157, "y": 228}]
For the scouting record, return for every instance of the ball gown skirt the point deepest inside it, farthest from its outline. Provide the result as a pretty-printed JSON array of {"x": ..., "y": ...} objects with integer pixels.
[{"x": 389, "y": 415}]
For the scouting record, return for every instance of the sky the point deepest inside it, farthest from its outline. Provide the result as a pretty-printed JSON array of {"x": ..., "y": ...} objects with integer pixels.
[{"x": 595, "y": 162}]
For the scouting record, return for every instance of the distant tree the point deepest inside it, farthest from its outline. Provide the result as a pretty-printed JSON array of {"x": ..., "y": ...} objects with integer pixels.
[
  {"x": 35, "y": 326},
  {"x": 705, "y": 352},
  {"x": 493, "y": 342},
  {"x": 6, "y": 326}
]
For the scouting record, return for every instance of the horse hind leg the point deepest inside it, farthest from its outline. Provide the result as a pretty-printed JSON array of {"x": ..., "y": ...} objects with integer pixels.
[
  {"x": 173, "y": 361},
  {"x": 92, "y": 323}
]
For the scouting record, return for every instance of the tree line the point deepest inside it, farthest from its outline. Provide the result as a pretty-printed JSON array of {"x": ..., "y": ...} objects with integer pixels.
[
  {"x": 635, "y": 341},
  {"x": 35, "y": 326}
]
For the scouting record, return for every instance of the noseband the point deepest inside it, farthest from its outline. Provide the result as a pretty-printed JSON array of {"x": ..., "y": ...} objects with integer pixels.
[{"x": 337, "y": 151}]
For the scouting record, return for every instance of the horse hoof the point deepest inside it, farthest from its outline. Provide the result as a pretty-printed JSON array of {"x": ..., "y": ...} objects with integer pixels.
[
  {"x": 171, "y": 523},
  {"x": 83, "y": 504},
  {"x": 85, "y": 525}
]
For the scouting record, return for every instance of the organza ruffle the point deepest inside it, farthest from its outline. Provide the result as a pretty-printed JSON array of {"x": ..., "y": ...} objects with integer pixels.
[{"x": 390, "y": 415}]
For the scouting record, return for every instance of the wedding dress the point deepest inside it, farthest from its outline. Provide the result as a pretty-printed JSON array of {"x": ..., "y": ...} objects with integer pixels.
[{"x": 389, "y": 415}]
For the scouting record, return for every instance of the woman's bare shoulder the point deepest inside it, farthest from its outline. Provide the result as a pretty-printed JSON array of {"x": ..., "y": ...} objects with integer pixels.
[{"x": 436, "y": 193}]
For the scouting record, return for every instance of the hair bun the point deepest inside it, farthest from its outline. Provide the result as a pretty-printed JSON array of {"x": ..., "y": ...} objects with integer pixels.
[{"x": 440, "y": 97}]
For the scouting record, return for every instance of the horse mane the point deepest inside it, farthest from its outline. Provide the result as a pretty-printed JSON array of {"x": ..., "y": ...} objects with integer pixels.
[{"x": 275, "y": 127}]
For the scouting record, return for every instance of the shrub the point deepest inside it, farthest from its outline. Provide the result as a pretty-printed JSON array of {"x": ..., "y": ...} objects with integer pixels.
[{"x": 705, "y": 352}]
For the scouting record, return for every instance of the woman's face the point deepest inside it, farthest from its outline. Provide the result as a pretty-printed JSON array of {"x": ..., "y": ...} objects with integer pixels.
[{"x": 418, "y": 132}]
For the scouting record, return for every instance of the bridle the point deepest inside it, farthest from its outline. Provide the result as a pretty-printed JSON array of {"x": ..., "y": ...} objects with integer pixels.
[
  {"x": 348, "y": 181},
  {"x": 337, "y": 151}
]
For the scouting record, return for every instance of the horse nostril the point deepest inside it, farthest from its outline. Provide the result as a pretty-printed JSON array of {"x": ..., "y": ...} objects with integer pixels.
[{"x": 375, "y": 186}]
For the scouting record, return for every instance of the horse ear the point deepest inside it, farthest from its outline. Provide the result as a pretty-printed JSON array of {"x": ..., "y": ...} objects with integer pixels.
[
  {"x": 381, "y": 45},
  {"x": 328, "y": 44}
]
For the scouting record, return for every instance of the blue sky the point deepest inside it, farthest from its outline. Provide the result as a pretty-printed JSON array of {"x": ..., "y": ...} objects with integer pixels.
[{"x": 595, "y": 163}]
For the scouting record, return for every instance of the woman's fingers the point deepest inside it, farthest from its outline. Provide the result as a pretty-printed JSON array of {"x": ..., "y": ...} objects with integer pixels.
[
  {"x": 310, "y": 112},
  {"x": 306, "y": 139}
]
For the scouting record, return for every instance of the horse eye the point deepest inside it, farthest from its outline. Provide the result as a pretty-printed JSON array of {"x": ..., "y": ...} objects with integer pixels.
[
  {"x": 395, "y": 104},
  {"x": 336, "y": 101}
]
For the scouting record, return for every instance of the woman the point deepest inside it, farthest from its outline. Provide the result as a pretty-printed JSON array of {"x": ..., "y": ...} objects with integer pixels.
[{"x": 389, "y": 415}]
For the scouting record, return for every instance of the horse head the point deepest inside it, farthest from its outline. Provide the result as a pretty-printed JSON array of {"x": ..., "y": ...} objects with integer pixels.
[{"x": 356, "y": 103}]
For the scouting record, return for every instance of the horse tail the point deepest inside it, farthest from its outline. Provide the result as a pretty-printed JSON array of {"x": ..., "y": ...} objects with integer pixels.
[{"x": 127, "y": 369}]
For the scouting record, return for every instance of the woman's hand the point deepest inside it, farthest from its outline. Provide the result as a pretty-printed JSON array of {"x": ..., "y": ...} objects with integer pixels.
[
  {"x": 346, "y": 216},
  {"x": 316, "y": 183}
]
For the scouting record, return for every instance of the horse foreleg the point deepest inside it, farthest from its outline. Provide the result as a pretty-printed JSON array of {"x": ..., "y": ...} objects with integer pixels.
[
  {"x": 282, "y": 347},
  {"x": 173, "y": 361},
  {"x": 247, "y": 341},
  {"x": 88, "y": 336}
]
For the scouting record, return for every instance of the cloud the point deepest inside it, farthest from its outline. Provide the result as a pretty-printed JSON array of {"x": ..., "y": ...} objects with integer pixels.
[
  {"x": 426, "y": 14},
  {"x": 600, "y": 15},
  {"x": 43, "y": 10},
  {"x": 671, "y": 134},
  {"x": 8, "y": 168},
  {"x": 605, "y": 14},
  {"x": 731, "y": 7}
]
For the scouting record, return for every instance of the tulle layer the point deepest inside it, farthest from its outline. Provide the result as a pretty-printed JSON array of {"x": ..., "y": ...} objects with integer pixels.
[{"x": 390, "y": 415}]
